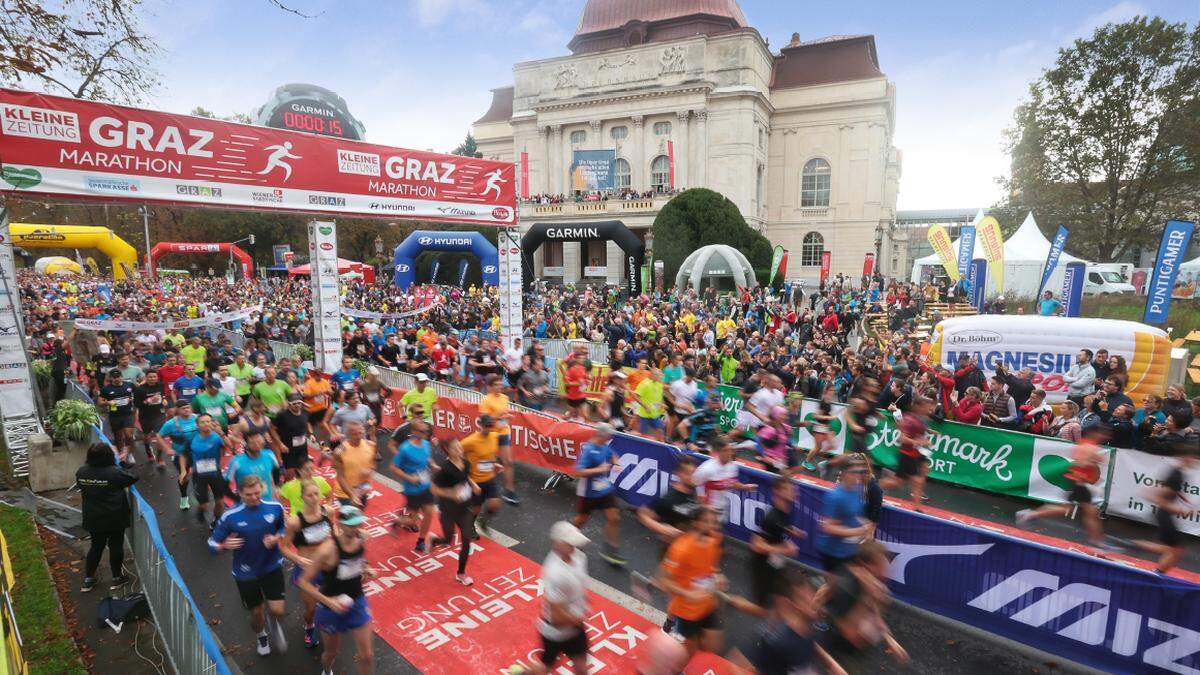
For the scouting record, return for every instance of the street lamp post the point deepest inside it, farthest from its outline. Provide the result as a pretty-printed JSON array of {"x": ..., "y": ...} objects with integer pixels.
[{"x": 379, "y": 255}]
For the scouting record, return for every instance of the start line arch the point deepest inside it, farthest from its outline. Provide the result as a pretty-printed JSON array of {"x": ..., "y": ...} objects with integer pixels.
[
  {"x": 164, "y": 247},
  {"x": 609, "y": 230},
  {"x": 420, "y": 241},
  {"x": 122, "y": 255}
]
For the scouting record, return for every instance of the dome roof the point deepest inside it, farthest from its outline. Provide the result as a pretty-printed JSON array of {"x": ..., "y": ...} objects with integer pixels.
[
  {"x": 713, "y": 262},
  {"x": 607, "y": 16}
]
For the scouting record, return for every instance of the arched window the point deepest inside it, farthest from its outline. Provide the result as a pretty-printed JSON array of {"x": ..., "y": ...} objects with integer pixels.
[
  {"x": 810, "y": 251},
  {"x": 814, "y": 183},
  {"x": 660, "y": 174},
  {"x": 621, "y": 174},
  {"x": 619, "y": 133},
  {"x": 662, "y": 128},
  {"x": 578, "y": 137}
]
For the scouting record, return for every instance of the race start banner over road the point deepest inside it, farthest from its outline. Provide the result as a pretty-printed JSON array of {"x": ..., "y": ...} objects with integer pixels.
[{"x": 56, "y": 146}]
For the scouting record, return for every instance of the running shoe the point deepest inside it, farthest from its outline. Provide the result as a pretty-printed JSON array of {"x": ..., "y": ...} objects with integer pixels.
[
  {"x": 277, "y": 635},
  {"x": 184, "y": 504},
  {"x": 464, "y": 579},
  {"x": 118, "y": 582},
  {"x": 88, "y": 584},
  {"x": 439, "y": 541},
  {"x": 420, "y": 547},
  {"x": 200, "y": 517},
  {"x": 264, "y": 644},
  {"x": 484, "y": 525},
  {"x": 613, "y": 557},
  {"x": 510, "y": 497},
  {"x": 809, "y": 465},
  {"x": 1024, "y": 516}
]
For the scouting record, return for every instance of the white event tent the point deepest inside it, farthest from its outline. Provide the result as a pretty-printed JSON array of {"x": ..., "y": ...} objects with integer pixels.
[{"x": 1024, "y": 258}]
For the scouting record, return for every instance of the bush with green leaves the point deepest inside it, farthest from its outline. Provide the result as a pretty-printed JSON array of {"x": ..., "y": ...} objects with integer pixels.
[
  {"x": 304, "y": 352},
  {"x": 700, "y": 217},
  {"x": 42, "y": 371},
  {"x": 73, "y": 420}
]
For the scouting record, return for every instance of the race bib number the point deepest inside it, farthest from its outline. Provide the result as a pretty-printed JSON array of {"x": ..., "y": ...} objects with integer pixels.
[
  {"x": 299, "y": 441},
  {"x": 601, "y": 483},
  {"x": 215, "y": 411},
  {"x": 319, "y": 400},
  {"x": 486, "y": 467},
  {"x": 206, "y": 466},
  {"x": 349, "y": 569},
  {"x": 422, "y": 476},
  {"x": 154, "y": 399},
  {"x": 464, "y": 492},
  {"x": 315, "y": 534},
  {"x": 775, "y": 560},
  {"x": 121, "y": 402}
]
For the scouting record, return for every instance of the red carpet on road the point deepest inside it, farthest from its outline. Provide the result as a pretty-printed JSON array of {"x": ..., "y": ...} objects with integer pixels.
[{"x": 441, "y": 626}]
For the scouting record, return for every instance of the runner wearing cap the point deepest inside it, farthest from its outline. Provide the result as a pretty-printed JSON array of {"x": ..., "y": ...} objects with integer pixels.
[
  {"x": 482, "y": 450},
  {"x": 422, "y": 395},
  {"x": 563, "y": 622},
  {"x": 340, "y": 564},
  {"x": 214, "y": 402},
  {"x": 174, "y": 439},
  {"x": 253, "y": 530},
  {"x": 596, "y": 463}
]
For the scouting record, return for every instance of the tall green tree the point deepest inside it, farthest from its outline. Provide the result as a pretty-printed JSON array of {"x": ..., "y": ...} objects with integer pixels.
[
  {"x": 468, "y": 148},
  {"x": 699, "y": 217},
  {"x": 1108, "y": 142}
]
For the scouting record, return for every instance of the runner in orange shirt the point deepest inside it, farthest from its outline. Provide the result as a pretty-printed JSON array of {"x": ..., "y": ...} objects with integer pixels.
[
  {"x": 317, "y": 392},
  {"x": 354, "y": 461},
  {"x": 691, "y": 577},
  {"x": 495, "y": 404}
]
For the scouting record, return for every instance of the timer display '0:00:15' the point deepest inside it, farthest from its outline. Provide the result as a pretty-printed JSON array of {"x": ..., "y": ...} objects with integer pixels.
[{"x": 302, "y": 122}]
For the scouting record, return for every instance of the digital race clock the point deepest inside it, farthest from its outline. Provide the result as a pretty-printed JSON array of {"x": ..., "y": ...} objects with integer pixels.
[{"x": 312, "y": 109}]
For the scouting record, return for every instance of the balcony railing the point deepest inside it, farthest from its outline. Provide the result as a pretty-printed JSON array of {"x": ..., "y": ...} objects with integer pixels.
[{"x": 573, "y": 208}]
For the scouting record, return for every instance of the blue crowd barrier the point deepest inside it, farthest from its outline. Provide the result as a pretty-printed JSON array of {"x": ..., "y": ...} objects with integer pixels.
[{"x": 1098, "y": 613}]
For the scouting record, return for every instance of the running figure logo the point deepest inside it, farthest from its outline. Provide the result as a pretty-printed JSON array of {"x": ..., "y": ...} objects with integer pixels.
[
  {"x": 493, "y": 183},
  {"x": 275, "y": 159}
]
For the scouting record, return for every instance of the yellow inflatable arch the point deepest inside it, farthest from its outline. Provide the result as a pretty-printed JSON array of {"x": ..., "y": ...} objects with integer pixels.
[{"x": 123, "y": 256}]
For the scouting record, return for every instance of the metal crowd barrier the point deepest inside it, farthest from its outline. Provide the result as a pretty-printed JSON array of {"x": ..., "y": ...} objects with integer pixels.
[
  {"x": 401, "y": 380},
  {"x": 559, "y": 349},
  {"x": 236, "y": 338},
  {"x": 282, "y": 350},
  {"x": 191, "y": 646}
]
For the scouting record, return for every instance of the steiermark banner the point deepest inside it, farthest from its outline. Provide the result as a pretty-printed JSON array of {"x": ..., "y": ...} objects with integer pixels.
[{"x": 993, "y": 460}]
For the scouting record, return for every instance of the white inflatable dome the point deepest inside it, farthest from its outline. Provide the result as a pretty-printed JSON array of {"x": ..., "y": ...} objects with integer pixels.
[{"x": 716, "y": 265}]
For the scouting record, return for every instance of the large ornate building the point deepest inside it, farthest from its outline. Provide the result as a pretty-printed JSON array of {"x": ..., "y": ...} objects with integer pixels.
[{"x": 684, "y": 94}]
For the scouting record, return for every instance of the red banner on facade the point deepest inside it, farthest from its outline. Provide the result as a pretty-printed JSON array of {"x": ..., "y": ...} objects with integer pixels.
[
  {"x": 536, "y": 439},
  {"x": 671, "y": 163},
  {"x": 826, "y": 258},
  {"x": 64, "y": 147},
  {"x": 868, "y": 264}
]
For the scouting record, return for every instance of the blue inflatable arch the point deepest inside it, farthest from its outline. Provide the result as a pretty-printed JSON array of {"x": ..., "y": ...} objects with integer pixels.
[{"x": 428, "y": 240}]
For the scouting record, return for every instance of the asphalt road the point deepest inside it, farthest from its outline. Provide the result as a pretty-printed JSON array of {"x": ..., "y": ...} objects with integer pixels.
[{"x": 935, "y": 645}]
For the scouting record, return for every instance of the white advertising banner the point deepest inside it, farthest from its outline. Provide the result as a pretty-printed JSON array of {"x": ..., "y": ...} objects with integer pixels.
[
  {"x": 383, "y": 316},
  {"x": 16, "y": 387},
  {"x": 214, "y": 319},
  {"x": 1134, "y": 477},
  {"x": 509, "y": 249},
  {"x": 327, "y": 300}
]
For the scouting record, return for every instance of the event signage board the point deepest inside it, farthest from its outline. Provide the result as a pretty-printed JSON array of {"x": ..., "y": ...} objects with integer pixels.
[
  {"x": 592, "y": 170},
  {"x": 16, "y": 383},
  {"x": 279, "y": 254},
  {"x": 326, "y": 295},
  {"x": 977, "y": 280},
  {"x": 826, "y": 263},
  {"x": 993, "y": 249},
  {"x": 510, "y": 280},
  {"x": 1176, "y": 236},
  {"x": 1072, "y": 290},
  {"x": 82, "y": 149},
  {"x": 215, "y": 319},
  {"x": 939, "y": 240},
  {"x": 966, "y": 248},
  {"x": 776, "y": 260},
  {"x": 868, "y": 264},
  {"x": 1037, "y": 591},
  {"x": 1052, "y": 256},
  {"x": 1134, "y": 477}
]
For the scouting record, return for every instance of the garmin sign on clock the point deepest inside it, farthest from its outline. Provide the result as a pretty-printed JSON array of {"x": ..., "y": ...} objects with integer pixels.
[{"x": 312, "y": 109}]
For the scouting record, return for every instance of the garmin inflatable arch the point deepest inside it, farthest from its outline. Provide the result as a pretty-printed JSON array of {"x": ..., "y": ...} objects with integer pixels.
[
  {"x": 609, "y": 230},
  {"x": 244, "y": 260},
  {"x": 428, "y": 240},
  {"x": 122, "y": 255},
  {"x": 1047, "y": 346}
]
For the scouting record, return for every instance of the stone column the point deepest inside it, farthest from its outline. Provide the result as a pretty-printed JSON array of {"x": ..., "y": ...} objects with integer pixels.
[
  {"x": 699, "y": 174},
  {"x": 571, "y": 252},
  {"x": 544, "y": 164},
  {"x": 681, "y": 149},
  {"x": 556, "y": 167},
  {"x": 637, "y": 159},
  {"x": 615, "y": 260}
]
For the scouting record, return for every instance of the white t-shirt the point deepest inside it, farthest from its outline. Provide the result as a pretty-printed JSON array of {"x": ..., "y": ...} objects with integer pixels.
[
  {"x": 766, "y": 398},
  {"x": 712, "y": 480},
  {"x": 563, "y": 583},
  {"x": 684, "y": 393},
  {"x": 229, "y": 386},
  {"x": 512, "y": 359}
]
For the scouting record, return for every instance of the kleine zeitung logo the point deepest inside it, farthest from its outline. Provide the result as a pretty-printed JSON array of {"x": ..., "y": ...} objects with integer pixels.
[{"x": 40, "y": 123}]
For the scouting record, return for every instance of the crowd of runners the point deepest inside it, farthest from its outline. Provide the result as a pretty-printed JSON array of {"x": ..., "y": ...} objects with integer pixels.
[{"x": 286, "y": 456}]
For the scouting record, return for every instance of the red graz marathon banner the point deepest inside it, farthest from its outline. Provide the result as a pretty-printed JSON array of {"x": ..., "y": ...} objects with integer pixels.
[
  {"x": 50, "y": 145},
  {"x": 549, "y": 443}
]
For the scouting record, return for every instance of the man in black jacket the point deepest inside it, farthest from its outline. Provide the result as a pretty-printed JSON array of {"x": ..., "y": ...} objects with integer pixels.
[
  {"x": 105, "y": 512},
  {"x": 1020, "y": 384}
]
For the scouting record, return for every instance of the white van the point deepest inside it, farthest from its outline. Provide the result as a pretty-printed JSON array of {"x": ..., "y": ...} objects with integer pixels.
[{"x": 1106, "y": 278}]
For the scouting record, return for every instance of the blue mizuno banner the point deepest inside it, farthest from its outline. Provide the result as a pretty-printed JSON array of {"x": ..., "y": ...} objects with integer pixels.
[
  {"x": 1176, "y": 237},
  {"x": 592, "y": 170},
  {"x": 433, "y": 270},
  {"x": 463, "y": 264},
  {"x": 1079, "y": 607},
  {"x": 1056, "y": 249},
  {"x": 1072, "y": 289},
  {"x": 977, "y": 280},
  {"x": 966, "y": 248}
]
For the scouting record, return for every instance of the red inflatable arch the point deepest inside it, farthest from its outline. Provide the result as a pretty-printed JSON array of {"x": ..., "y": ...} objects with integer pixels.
[{"x": 194, "y": 247}]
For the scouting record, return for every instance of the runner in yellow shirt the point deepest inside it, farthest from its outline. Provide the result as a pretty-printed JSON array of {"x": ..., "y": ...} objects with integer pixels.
[
  {"x": 482, "y": 450},
  {"x": 495, "y": 404}
]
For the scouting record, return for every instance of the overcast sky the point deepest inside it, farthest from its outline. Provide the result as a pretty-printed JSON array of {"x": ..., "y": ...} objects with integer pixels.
[{"x": 418, "y": 72}]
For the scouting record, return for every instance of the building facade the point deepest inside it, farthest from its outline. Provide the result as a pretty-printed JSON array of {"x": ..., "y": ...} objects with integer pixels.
[{"x": 685, "y": 94}]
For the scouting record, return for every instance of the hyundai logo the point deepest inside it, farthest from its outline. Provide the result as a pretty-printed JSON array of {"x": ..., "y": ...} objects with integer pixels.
[
  {"x": 425, "y": 241},
  {"x": 489, "y": 269},
  {"x": 402, "y": 268}
]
